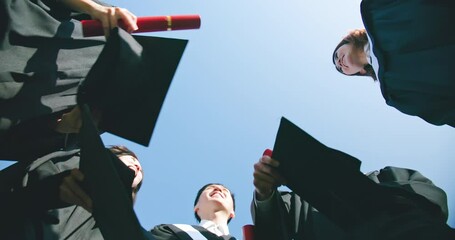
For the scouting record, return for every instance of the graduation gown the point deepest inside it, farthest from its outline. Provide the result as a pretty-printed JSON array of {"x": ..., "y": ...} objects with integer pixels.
[
  {"x": 291, "y": 217},
  {"x": 34, "y": 211},
  {"x": 170, "y": 232},
  {"x": 43, "y": 58},
  {"x": 47, "y": 66},
  {"x": 414, "y": 42}
]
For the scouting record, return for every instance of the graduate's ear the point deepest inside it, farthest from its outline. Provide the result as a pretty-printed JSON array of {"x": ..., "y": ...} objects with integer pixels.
[
  {"x": 196, "y": 208},
  {"x": 363, "y": 71},
  {"x": 232, "y": 215}
]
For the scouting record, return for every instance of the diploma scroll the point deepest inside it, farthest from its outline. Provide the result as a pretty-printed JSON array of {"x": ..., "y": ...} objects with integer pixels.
[
  {"x": 248, "y": 232},
  {"x": 147, "y": 24}
]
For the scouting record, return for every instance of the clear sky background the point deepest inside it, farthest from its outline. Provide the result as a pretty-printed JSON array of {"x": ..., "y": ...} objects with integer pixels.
[{"x": 249, "y": 64}]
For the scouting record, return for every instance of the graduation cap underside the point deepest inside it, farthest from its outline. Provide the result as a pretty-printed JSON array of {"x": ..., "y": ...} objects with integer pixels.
[
  {"x": 328, "y": 179},
  {"x": 129, "y": 81},
  {"x": 112, "y": 205}
]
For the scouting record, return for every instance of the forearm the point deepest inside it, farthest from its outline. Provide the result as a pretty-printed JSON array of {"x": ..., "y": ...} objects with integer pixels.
[{"x": 83, "y": 6}]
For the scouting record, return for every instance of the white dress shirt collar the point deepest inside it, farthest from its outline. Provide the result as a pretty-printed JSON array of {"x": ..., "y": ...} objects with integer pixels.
[
  {"x": 372, "y": 60},
  {"x": 367, "y": 51},
  {"x": 216, "y": 229}
]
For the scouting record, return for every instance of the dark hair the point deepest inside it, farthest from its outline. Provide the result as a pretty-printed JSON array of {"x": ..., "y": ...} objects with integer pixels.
[
  {"x": 119, "y": 150},
  {"x": 358, "y": 38},
  {"x": 199, "y": 195}
]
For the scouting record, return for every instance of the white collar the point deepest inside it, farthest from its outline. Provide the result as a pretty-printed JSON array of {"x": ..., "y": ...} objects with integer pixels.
[
  {"x": 372, "y": 60},
  {"x": 219, "y": 230},
  {"x": 367, "y": 51}
]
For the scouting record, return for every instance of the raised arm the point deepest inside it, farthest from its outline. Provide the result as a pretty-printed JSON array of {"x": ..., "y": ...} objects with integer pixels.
[{"x": 267, "y": 206}]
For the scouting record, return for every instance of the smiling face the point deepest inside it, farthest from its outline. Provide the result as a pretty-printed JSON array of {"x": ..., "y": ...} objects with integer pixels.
[
  {"x": 348, "y": 61},
  {"x": 214, "y": 198},
  {"x": 132, "y": 163}
]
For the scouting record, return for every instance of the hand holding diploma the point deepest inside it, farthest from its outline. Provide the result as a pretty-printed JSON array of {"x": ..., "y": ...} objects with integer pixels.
[
  {"x": 107, "y": 17},
  {"x": 146, "y": 24},
  {"x": 266, "y": 176}
]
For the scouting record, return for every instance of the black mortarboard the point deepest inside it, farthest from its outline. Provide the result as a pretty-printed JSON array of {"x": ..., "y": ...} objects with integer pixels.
[
  {"x": 331, "y": 181},
  {"x": 328, "y": 179},
  {"x": 129, "y": 81},
  {"x": 112, "y": 205}
]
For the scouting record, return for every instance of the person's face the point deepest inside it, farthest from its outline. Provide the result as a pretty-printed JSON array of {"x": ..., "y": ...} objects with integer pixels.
[
  {"x": 133, "y": 164},
  {"x": 215, "y": 198},
  {"x": 347, "y": 61}
]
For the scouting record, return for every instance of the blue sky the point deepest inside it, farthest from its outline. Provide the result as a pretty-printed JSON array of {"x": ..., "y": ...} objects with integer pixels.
[{"x": 249, "y": 64}]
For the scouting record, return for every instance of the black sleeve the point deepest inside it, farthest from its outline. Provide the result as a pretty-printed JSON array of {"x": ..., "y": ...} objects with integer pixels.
[
  {"x": 162, "y": 232},
  {"x": 276, "y": 224}
]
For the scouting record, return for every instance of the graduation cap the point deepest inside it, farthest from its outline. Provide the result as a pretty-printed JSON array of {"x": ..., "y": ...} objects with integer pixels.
[
  {"x": 328, "y": 179},
  {"x": 112, "y": 205},
  {"x": 331, "y": 182},
  {"x": 129, "y": 81}
]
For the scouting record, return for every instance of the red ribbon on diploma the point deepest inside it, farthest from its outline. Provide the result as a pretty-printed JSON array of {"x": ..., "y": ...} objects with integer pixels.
[{"x": 147, "y": 24}]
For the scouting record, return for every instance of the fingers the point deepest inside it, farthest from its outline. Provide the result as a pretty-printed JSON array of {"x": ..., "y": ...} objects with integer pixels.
[
  {"x": 266, "y": 176},
  {"x": 272, "y": 170},
  {"x": 109, "y": 21},
  {"x": 72, "y": 193},
  {"x": 269, "y": 161},
  {"x": 266, "y": 172},
  {"x": 263, "y": 183},
  {"x": 129, "y": 19},
  {"x": 110, "y": 17}
]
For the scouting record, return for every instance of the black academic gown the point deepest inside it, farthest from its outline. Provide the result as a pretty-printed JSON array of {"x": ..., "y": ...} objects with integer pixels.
[
  {"x": 43, "y": 58},
  {"x": 33, "y": 210},
  {"x": 291, "y": 217},
  {"x": 46, "y": 66},
  {"x": 170, "y": 232},
  {"x": 414, "y": 42}
]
